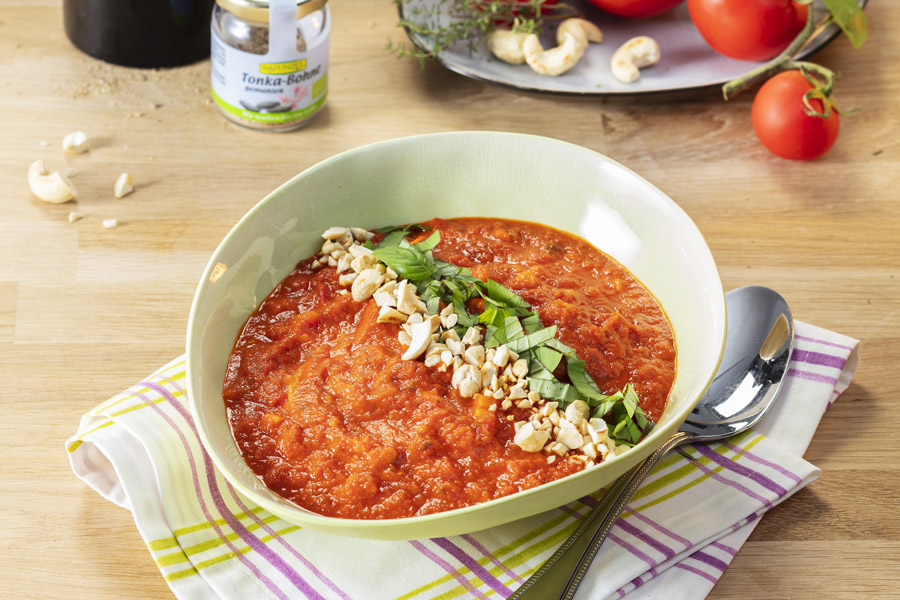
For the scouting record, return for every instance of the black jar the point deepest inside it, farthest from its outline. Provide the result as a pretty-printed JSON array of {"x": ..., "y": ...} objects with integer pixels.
[{"x": 140, "y": 33}]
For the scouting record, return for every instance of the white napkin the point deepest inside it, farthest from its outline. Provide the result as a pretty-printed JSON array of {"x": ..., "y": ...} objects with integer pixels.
[{"x": 140, "y": 450}]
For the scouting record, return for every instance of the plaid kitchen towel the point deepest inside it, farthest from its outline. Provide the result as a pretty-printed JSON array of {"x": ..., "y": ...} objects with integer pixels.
[{"x": 140, "y": 450}]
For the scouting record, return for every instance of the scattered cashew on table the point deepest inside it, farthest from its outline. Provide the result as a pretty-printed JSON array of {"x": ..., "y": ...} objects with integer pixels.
[{"x": 572, "y": 36}]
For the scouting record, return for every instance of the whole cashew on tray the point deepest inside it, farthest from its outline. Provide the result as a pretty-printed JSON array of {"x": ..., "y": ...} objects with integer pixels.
[
  {"x": 572, "y": 35},
  {"x": 633, "y": 55}
]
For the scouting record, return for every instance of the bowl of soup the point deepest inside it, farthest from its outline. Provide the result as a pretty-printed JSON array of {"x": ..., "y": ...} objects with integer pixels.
[{"x": 438, "y": 334}]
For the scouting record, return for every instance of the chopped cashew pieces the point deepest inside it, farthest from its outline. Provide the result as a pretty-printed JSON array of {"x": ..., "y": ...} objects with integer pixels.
[
  {"x": 47, "y": 186},
  {"x": 506, "y": 45},
  {"x": 110, "y": 223},
  {"x": 76, "y": 142},
  {"x": 529, "y": 439},
  {"x": 495, "y": 377},
  {"x": 554, "y": 61},
  {"x": 635, "y": 54},
  {"x": 124, "y": 185}
]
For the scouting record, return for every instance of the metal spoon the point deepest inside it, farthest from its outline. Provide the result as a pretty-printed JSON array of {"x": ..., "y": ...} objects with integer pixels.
[{"x": 758, "y": 347}]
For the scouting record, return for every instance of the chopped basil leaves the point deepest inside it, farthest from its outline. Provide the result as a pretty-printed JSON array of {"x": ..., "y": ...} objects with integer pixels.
[{"x": 509, "y": 320}]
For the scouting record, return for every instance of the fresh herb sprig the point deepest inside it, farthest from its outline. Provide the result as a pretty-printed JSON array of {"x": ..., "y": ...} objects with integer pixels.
[
  {"x": 446, "y": 22},
  {"x": 509, "y": 319}
]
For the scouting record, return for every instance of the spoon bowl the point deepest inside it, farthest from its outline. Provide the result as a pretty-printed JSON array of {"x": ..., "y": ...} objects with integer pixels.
[{"x": 758, "y": 347}]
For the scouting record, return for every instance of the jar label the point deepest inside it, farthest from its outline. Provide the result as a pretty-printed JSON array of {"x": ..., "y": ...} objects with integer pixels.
[{"x": 277, "y": 88}]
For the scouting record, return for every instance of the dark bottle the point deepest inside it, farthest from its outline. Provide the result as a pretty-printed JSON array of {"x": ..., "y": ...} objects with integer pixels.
[{"x": 140, "y": 33}]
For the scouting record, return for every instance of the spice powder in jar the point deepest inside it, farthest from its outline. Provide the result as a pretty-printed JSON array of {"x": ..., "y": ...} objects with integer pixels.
[{"x": 269, "y": 61}]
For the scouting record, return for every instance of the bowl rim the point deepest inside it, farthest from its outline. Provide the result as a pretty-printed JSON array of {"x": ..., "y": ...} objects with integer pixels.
[{"x": 371, "y": 527}]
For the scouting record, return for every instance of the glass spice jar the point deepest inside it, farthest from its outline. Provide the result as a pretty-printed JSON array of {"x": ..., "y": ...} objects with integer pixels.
[{"x": 269, "y": 61}]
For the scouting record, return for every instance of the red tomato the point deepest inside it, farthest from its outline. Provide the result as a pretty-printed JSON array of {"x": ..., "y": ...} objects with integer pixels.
[
  {"x": 636, "y": 8},
  {"x": 748, "y": 29},
  {"x": 781, "y": 123}
]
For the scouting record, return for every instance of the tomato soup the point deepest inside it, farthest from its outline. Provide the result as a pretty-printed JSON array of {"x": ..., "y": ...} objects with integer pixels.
[{"x": 328, "y": 415}]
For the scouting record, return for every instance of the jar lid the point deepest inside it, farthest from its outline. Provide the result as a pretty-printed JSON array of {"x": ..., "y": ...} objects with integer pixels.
[{"x": 258, "y": 10}]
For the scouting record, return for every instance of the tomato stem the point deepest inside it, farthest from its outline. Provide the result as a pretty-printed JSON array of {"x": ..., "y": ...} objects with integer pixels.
[{"x": 782, "y": 62}]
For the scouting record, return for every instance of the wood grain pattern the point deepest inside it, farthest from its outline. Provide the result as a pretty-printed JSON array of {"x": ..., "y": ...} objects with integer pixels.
[{"x": 85, "y": 312}]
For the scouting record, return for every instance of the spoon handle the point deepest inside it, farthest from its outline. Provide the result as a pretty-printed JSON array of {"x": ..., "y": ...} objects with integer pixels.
[
  {"x": 554, "y": 574},
  {"x": 614, "y": 508}
]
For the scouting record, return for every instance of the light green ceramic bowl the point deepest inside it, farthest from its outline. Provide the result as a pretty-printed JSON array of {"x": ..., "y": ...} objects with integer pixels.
[{"x": 456, "y": 175}]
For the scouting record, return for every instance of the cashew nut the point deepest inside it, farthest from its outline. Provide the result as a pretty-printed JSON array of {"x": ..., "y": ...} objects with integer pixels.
[
  {"x": 569, "y": 434},
  {"x": 421, "y": 337},
  {"x": 124, "y": 186},
  {"x": 76, "y": 142},
  {"x": 49, "y": 187},
  {"x": 365, "y": 284},
  {"x": 554, "y": 61},
  {"x": 530, "y": 439},
  {"x": 577, "y": 412},
  {"x": 506, "y": 45},
  {"x": 583, "y": 30},
  {"x": 467, "y": 379},
  {"x": 386, "y": 314},
  {"x": 634, "y": 54}
]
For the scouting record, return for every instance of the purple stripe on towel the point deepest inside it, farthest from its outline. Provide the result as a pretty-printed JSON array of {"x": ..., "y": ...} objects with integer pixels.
[
  {"x": 634, "y": 551},
  {"x": 818, "y": 358},
  {"x": 460, "y": 578},
  {"x": 709, "y": 559},
  {"x": 497, "y": 562},
  {"x": 456, "y": 552},
  {"x": 696, "y": 571},
  {"x": 724, "y": 548},
  {"x": 761, "y": 461},
  {"x": 645, "y": 537},
  {"x": 571, "y": 512},
  {"x": 640, "y": 516},
  {"x": 810, "y": 376},
  {"x": 290, "y": 549},
  {"x": 196, "y": 479},
  {"x": 248, "y": 538},
  {"x": 740, "y": 469},
  {"x": 279, "y": 539},
  {"x": 823, "y": 342},
  {"x": 732, "y": 484}
]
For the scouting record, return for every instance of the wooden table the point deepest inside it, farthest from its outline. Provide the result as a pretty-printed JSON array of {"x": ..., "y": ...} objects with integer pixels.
[{"x": 85, "y": 311}]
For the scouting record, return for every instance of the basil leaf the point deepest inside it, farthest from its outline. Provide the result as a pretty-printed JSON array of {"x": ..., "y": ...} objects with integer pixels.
[
  {"x": 850, "y": 18},
  {"x": 562, "y": 348},
  {"x": 548, "y": 357},
  {"x": 444, "y": 269},
  {"x": 579, "y": 377},
  {"x": 464, "y": 319},
  {"x": 563, "y": 393},
  {"x": 532, "y": 339},
  {"x": 406, "y": 262},
  {"x": 408, "y": 228},
  {"x": 493, "y": 337},
  {"x": 505, "y": 296},
  {"x": 532, "y": 323},
  {"x": 493, "y": 317},
  {"x": 536, "y": 369},
  {"x": 368, "y": 244},
  {"x": 393, "y": 239},
  {"x": 430, "y": 242},
  {"x": 513, "y": 328}
]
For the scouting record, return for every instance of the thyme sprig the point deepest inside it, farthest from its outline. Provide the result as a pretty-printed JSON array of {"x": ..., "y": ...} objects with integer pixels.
[
  {"x": 445, "y": 22},
  {"x": 509, "y": 319}
]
